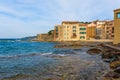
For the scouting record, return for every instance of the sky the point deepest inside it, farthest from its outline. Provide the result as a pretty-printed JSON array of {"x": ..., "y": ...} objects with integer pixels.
[{"x": 21, "y": 18}]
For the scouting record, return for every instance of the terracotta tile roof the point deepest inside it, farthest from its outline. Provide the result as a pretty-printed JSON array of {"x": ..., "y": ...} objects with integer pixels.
[{"x": 70, "y": 22}]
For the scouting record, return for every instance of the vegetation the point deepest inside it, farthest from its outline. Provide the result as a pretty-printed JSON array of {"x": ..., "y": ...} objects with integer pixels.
[{"x": 50, "y": 32}]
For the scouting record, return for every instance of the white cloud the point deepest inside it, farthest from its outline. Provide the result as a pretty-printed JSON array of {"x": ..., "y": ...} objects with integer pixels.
[{"x": 28, "y": 17}]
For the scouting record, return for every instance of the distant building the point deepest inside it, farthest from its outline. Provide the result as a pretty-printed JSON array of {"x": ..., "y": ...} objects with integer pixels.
[
  {"x": 58, "y": 33},
  {"x": 82, "y": 32},
  {"x": 42, "y": 37},
  {"x": 45, "y": 37},
  {"x": 91, "y": 31},
  {"x": 109, "y": 29},
  {"x": 70, "y": 30},
  {"x": 78, "y": 31},
  {"x": 116, "y": 26},
  {"x": 100, "y": 29}
]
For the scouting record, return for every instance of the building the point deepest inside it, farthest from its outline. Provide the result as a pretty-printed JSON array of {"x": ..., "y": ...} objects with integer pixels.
[
  {"x": 109, "y": 29},
  {"x": 58, "y": 33},
  {"x": 100, "y": 30},
  {"x": 42, "y": 37},
  {"x": 82, "y": 32},
  {"x": 45, "y": 37},
  {"x": 91, "y": 30},
  {"x": 116, "y": 26},
  {"x": 70, "y": 30}
]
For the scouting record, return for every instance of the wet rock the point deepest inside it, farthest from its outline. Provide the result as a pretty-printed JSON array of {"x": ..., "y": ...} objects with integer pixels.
[
  {"x": 55, "y": 79},
  {"x": 117, "y": 70},
  {"x": 111, "y": 75},
  {"x": 68, "y": 46},
  {"x": 114, "y": 64},
  {"x": 108, "y": 57},
  {"x": 94, "y": 51},
  {"x": 64, "y": 52}
]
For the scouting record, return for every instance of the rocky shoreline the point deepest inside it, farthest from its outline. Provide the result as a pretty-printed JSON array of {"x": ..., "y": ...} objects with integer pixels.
[
  {"x": 108, "y": 55},
  {"x": 84, "y": 61}
]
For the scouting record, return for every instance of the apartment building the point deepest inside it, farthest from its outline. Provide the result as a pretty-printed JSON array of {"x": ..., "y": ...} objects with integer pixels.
[
  {"x": 91, "y": 30},
  {"x": 116, "y": 26},
  {"x": 58, "y": 33},
  {"x": 82, "y": 32},
  {"x": 70, "y": 30},
  {"x": 109, "y": 29},
  {"x": 100, "y": 30}
]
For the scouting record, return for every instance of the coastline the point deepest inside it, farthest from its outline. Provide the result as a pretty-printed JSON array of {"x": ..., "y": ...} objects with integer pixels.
[{"x": 73, "y": 64}]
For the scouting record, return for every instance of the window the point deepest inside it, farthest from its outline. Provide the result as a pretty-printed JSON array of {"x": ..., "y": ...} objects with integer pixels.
[
  {"x": 82, "y": 32},
  {"x": 74, "y": 26},
  {"x": 67, "y": 26},
  {"x": 74, "y": 30},
  {"x": 82, "y": 28},
  {"x": 118, "y": 15},
  {"x": 82, "y": 37}
]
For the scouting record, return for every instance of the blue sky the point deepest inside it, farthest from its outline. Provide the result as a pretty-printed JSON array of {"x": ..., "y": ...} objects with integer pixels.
[{"x": 20, "y": 18}]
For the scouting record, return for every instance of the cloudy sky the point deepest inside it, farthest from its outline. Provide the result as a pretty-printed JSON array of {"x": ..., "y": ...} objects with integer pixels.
[{"x": 20, "y": 18}]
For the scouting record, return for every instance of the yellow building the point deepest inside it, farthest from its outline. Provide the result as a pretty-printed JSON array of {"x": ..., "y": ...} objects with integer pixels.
[
  {"x": 42, "y": 37},
  {"x": 74, "y": 31},
  {"x": 58, "y": 33},
  {"x": 82, "y": 32},
  {"x": 70, "y": 30},
  {"x": 116, "y": 26},
  {"x": 91, "y": 31},
  {"x": 109, "y": 29},
  {"x": 100, "y": 29}
]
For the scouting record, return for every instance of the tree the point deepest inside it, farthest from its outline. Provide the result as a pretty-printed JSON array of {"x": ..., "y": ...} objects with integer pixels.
[{"x": 50, "y": 32}]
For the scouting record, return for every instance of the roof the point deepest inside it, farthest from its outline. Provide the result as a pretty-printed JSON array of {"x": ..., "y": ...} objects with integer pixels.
[
  {"x": 70, "y": 22},
  {"x": 82, "y": 24},
  {"x": 117, "y": 9}
]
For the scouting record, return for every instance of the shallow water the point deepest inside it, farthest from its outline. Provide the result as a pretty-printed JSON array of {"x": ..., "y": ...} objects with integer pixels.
[{"x": 40, "y": 61}]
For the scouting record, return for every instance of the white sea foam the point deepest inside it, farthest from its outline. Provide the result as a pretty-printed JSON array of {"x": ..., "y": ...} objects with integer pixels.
[{"x": 47, "y": 53}]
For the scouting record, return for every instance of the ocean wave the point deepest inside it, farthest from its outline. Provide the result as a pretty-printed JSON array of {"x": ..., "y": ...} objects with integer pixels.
[
  {"x": 47, "y": 53},
  {"x": 28, "y": 55},
  {"x": 18, "y": 55}
]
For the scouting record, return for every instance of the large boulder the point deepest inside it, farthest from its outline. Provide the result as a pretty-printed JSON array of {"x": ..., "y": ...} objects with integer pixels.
[
  {"x": 94, "y": 51},
  {"x": 114, "y": 64}
]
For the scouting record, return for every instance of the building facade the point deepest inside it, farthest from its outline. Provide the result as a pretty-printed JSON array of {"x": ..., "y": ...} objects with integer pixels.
[
  {"x": 91, "y": 30},
  {"x": 100, "y": 29},
  {"x": 58, "y": 33},
  {"x": 42, "y": 37},
  {"x": 116, "y": 26},
  {"x": 109, "y": 29},
  {"x": 82, "y": 32},
  {"x": 70, "y": 30}
]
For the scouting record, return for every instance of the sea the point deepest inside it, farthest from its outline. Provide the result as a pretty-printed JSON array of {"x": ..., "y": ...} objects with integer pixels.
[
  {"x": 22, "y": 60},
  {"x": 25, "y": 58}
]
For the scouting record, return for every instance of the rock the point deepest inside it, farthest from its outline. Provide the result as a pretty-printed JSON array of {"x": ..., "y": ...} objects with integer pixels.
[
  {"x": 111, "y": 75},
  {"x": 117, "y": 70},
  {"x": 114, "y": 64},
  {"x": 55, "y": 79},
  {"x": 108, "y": 57},
  {"x": 94, "y": 51}
]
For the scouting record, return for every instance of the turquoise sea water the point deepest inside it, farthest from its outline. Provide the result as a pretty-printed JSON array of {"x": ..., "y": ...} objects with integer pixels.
[
  {"x": 24, "y": 58},
  {"x": 39, "y": 60}
]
